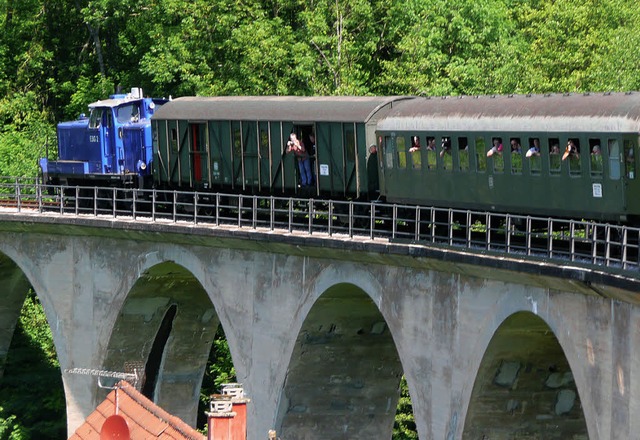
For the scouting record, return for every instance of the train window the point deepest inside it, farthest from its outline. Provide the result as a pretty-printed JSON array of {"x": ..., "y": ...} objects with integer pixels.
[
  {"x": 237, "y": 142},
  {"x": 533, "y": 154},
  {"x": 614, "y": 159},
  {"x": 174, "y": 139},
  {"x": 496, "y": 155},
  {"x": 416, "y": 158},
  {"x": 445, "y": 153},
  {"x": 516, "y": 155},
  {"x": 481, "y": 155},
  {"x": 264, "y": 142},
  {"x": 629, "y": 160},
  {"x": 572, "y": 154},
  {"x": 402, "y": 155},
  {"x": 95, "y": 118},
  {"x": 431, "y": 152},
  {"x": 555, "y": 159},
  {"x": 350, "y": 144},
  {"x": 128, "y": 113},
  {"x": 388, "y": 154},
  {"x": 463, "y": 154},
  {"x": 595, "y": 162}
]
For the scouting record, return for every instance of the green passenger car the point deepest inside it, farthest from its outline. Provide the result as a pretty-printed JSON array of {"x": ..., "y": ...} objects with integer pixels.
[
  {"x": 238, "y": 144},
  {"x": 547, "y": 155}
]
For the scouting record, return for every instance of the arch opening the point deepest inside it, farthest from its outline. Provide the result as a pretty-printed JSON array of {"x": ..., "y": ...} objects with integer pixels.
[
  {"x": 524, "y": 387},
  {"x": 344, "y": 373},
  {"x": 167, "y": 323}
]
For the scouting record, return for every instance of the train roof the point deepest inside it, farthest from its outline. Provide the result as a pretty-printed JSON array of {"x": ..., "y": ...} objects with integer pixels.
[
  {"x": 594, "y": 112},
  {"x": 276, "y": 108}
]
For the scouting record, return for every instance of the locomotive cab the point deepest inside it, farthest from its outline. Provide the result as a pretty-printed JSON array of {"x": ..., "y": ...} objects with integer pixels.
[{"x": 112, "y": 147}]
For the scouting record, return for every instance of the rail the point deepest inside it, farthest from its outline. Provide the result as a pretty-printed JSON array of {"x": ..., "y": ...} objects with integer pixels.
[{"x": 578, "y": 242}]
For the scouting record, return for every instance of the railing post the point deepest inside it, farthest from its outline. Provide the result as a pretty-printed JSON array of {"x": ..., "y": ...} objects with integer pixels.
[
  {"x": 18, "y": 196},
  {"x": 372, "y": 219},
  {"x": 95, "y": 201},
  {"x": 153, "y": 205},
  {"x": 175, "y": 207},
  {"x": 330, "y": 218},
  {"x": 290, "y": 214},
  {"x": 77, "y": 199},
  {"x": 272, "y": 213},
  {"x": 311, "y": 202},
  {"x": 195, "y": 208},
  {"x": 350, "y": 218},
  {"x": 217, "y": 209},
  {"x": 114, "y": 202},
  {"x": 254, "y": 224},
  {"x": 134, "y": 200}
]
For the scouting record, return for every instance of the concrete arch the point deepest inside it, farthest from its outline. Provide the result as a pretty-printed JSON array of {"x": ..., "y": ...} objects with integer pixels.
[
  {"x": 166, "y": 324},
  {"x": 344, "y": 369},
  {"x": 524, "y": 381}
]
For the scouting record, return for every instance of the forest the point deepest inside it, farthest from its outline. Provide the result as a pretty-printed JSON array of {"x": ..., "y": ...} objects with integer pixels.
[{"x": 56, "y": 56}]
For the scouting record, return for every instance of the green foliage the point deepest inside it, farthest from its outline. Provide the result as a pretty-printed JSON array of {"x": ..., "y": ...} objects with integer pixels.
[
  {"x": 405, "y": 425},
  {"x": 219, "y": 370},
  {"x": 32, "y": 402}
]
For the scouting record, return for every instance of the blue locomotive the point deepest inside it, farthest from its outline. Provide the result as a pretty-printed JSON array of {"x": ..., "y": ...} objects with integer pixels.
[{"x": 110, "y": 148}]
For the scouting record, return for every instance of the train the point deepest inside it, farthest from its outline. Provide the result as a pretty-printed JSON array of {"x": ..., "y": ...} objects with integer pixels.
[{"x": 550, "y": 155}]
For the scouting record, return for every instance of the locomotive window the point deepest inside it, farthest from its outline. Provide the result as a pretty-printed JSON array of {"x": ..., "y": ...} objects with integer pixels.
[
  {"x": 533, "y": 154},
  {"x": 445, "y": 153},
  {"x": 481, "y": 155},
  {"x": 573, "y": 147},
  {"x": 629, "y": 160},
  {"x": 516, "y": 155},
  {"x": 555, "y": 158},
  {"x": 126, "y": 113},
  {"x": 463, "y": 154},
  {"x": 402, "y": 155},
  {"x": 614, "y": 159},
  {"x": 595, "y": 162},
  {"x": 498, "y": 160},
  {"x": 95, "y": 118}
]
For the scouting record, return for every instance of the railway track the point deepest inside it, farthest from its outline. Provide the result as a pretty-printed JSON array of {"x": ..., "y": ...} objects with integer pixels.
[{"x": 577, "y": 241}]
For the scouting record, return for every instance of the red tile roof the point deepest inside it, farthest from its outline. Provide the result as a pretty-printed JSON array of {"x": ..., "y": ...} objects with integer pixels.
[{"x": 146, "y": 420}]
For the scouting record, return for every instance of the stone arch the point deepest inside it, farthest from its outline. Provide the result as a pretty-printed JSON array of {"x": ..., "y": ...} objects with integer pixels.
[
  {"x": 524, "y": 386},
  {"x": 166, "y": 324},
  {"x": 19, "y": 275},
  {"x": 343, "y": 374}
]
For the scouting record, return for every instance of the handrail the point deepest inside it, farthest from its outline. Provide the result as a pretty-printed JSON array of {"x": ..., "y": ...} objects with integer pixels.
[{"x": 579, "y": 242}]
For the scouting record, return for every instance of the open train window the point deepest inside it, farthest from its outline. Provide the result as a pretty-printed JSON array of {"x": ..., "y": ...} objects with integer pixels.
[
  {"x": 498, "y": 160},
  {"x": 614, "y": 159},
  {"x": 481, "y": 155},
  {"x": 516, "y": 155},
  {"x": 533, "y": 155},
  {"x": 445, "y": 153},
  {"x": 595, "y": 157},
  {"x": 431, "y": 152},
  {"x": 573, "y": 147},
  {"x": 463, "y": 154},
  {"x": 629, "y": 160},
  {"x": 402, "y": 154},
  {"x": 555, "y": 158},
  {"x": 416, "y": 158}
]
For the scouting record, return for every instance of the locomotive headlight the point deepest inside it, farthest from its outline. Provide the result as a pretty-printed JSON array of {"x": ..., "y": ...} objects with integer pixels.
[{"x": 142, "y": 165}]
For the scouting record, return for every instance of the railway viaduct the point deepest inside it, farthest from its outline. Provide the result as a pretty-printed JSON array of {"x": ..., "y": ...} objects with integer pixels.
[{"x": 321, "y": 329}]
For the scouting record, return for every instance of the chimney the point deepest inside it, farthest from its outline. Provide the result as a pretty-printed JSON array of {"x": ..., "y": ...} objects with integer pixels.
[{"x": 227, "y": 416}]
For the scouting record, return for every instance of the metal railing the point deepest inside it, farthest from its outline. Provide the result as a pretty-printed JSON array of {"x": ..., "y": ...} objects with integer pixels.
[{"x": 578, "y": 242}]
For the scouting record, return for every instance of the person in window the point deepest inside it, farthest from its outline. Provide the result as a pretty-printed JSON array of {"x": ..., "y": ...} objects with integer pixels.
[
  {"x": 304, "y": 163},
  {"x": 571, "y": 150},
  {"x": 555, "y": 149},
  {"x": 415, "y": 144},
  {"x": 431, "y": 144},
  {"x": 445, "y": 147},
  {"x": 515, "y": 146},
  {"x": 497, "y": 148},
  {"x": 535, "y": 149}
]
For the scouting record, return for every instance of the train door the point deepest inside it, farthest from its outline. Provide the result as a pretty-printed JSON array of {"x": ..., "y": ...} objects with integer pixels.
[
  {"x": 249, "y": 145},
  {"x": 220, "y": 165},
  {"x": 102, "y": 120},
  {"x": 264, "y": 157},
  {"x": 331, "y": 158},
  {"x": 199, "y": 157},
  {"x": 278, "y": 134}
]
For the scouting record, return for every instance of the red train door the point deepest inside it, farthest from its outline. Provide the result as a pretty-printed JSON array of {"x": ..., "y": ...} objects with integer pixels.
[{"x": 198, "y": 150}]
